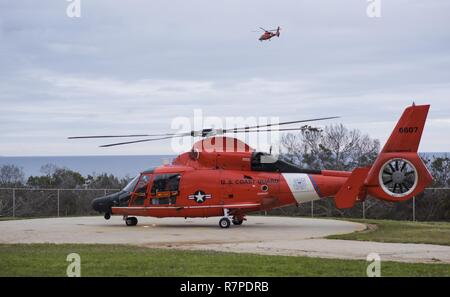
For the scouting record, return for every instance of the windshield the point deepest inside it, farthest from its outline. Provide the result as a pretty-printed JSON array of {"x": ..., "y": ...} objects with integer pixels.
[{"x": 132, "y": 184}]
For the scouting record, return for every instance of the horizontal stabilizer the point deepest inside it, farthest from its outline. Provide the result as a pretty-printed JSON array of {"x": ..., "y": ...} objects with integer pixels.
[{"x": 350, "y": 191}]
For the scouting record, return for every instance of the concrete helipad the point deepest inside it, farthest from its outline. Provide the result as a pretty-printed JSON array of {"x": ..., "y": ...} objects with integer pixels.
[{"x": 262, "y": 235}]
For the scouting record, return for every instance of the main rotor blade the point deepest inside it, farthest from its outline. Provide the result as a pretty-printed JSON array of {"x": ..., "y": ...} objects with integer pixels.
[
  {"x": 279, "y": 124},
  {"x": 275, "y": 130},
  {"x": 263, "y": 29},
  {"x": 195, "y": 133},
  {"x": 141, "y": 140},
  {"x": 189, "y": 134},
  {"x": 118, "y": 136}
]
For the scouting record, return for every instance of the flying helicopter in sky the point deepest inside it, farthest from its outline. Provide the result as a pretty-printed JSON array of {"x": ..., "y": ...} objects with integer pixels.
[
  {"x": 222, "y": 176},
  {"x": 268, "y": 34}
]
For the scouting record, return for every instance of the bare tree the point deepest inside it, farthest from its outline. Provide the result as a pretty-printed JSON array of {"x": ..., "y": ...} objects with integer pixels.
[
  {"x": 11, "y": 176},
  {"x": 48, "y": 169},
  {"x": 335, "y": 148}
]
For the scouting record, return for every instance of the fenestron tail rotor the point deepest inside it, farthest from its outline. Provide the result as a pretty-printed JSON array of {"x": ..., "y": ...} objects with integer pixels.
[
  {"x": 210, "y": 132},
  {"x": 398, "y": 177}
]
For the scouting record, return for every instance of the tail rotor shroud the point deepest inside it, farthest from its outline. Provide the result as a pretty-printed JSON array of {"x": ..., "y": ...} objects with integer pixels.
[{"x": 398, "y": 177}]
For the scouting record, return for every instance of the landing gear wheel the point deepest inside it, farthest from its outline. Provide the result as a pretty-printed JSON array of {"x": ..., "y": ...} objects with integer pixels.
[
  {"x": 107, "y": 216},
  {"x": 131, "y": 221},
  {"x": 237, "y": 221},
  {"x": 224, "y": 223}
]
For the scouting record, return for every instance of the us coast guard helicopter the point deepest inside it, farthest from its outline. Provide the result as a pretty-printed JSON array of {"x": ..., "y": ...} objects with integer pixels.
[{"x": 224, "y": 177}]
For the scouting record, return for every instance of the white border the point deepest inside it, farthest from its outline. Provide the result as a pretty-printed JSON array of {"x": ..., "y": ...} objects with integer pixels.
[{"x": 386, "y": 190}]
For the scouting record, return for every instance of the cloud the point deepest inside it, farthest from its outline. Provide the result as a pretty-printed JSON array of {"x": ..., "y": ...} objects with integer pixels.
[
  {"x": 133, "y": 68},
  {"x": 73, "y": 49},
  {"x": 79, "y": 105}
]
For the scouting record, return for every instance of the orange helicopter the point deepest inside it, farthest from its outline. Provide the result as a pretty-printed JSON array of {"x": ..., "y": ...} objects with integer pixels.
[
  {"x": 224, "y": 177},
  {"x": 268, "y": 34}
]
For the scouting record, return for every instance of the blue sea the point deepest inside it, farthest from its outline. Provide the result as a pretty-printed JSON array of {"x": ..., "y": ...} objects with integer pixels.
[{"x": 120, "y": 166}]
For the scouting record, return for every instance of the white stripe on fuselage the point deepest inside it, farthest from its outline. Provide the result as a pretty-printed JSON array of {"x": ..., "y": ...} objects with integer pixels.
[{"x": 301, "y": 187}]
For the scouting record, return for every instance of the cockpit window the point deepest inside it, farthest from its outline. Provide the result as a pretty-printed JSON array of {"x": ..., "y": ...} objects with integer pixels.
[
  {"x": 142, "y": 184},
  {"x": 139, "y": 192},
  {"x": 131, "y": 185}
]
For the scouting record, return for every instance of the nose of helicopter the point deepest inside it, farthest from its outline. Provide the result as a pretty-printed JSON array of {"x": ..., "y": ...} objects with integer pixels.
[{"x": 103, "y": 204}]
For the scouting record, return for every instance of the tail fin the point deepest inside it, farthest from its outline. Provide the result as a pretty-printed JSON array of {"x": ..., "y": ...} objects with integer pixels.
[
  {"x": 406, "y": 135},
  {"x": 398, "y": 173},
  {"x": 278, "y": 31}
]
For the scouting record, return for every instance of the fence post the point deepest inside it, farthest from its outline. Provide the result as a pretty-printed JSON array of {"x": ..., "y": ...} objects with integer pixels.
[
  {"x": 312, "y": 208},
  {"x": 14, "y": 203},
  {"x": 58, "y": 201},
  {"x": 364, "y": 209},
  {"x": 104, "y": 192},
  {"x": 414, "y": 208}
]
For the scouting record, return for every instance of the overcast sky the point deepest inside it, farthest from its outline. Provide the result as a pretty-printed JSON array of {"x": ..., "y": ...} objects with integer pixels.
[{"x": 133, "y": 66}]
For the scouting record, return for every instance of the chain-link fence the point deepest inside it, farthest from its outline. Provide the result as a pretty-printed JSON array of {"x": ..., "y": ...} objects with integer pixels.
[
  {"x": 26, "y": 202},
  {"x": 432, "y": 205}
]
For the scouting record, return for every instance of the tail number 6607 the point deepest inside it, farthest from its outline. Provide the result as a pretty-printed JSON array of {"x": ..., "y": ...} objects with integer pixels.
[{"x": 408, "y": 129}]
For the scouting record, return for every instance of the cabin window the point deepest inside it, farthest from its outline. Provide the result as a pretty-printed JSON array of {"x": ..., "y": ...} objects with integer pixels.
[{"x": 165, "y": 188}]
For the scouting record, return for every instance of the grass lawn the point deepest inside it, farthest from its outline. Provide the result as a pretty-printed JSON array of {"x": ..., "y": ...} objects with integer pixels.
[
  {"x": 124, "y": 260},
  {"x": 401, "y": 231}
]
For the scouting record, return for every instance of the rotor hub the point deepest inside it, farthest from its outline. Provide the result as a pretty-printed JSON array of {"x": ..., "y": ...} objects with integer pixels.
[{"x": 398, "y": 177}]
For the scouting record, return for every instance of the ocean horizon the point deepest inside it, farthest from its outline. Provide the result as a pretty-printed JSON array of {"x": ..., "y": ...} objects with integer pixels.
[{"x": 118, "y": 165}]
